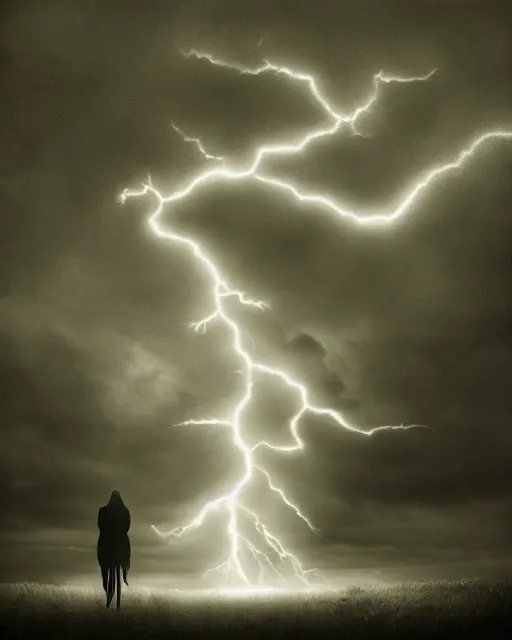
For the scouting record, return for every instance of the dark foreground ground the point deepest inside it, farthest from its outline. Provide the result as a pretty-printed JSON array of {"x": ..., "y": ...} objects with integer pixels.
[{"x": 412, "y": 610}]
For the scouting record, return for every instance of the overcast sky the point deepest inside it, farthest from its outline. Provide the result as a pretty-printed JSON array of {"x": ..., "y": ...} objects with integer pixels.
[{"x": 406, "y": 323}]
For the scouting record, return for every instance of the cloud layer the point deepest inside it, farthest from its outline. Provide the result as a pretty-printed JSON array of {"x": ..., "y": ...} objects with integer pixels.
[{"x": 407, "y": 323}]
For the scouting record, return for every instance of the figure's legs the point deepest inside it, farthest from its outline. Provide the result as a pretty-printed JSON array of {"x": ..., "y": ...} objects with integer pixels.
[
  {"x": 118, "y": 583},
  {"x": 104, "y": 577},
  {"x": 111, "y": 586}
]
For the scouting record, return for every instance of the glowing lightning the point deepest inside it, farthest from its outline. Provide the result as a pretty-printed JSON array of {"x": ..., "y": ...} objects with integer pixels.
[
  {"x": 197, "y": 142},
  {"x": 270, "y": 557}
]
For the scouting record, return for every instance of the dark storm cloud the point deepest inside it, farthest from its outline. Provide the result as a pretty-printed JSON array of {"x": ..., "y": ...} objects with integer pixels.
[
  {"x": 311, "y": 354},
  {"x": 306, "y": 345},
  {"x": 406, "y": 323}
]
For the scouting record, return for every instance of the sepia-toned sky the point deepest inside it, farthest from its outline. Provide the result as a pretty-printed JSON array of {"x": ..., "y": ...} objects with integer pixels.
[{"x": 404, "y": 323}]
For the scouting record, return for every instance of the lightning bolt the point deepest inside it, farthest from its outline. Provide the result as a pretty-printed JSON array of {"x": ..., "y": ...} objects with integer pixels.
[
  {"x": 268, "y": 555},
  {"x": 197, "y": 142}
]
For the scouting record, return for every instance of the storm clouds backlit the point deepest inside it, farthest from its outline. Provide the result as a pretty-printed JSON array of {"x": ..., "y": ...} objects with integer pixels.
[{"x": 403, "y": 326}]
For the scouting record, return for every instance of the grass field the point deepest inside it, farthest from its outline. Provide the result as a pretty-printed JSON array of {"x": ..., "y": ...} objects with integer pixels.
[{"x": 412, "y": 610}]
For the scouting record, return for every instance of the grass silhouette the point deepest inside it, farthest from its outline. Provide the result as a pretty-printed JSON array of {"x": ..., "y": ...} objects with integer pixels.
[{"x": 455, "y": 610}]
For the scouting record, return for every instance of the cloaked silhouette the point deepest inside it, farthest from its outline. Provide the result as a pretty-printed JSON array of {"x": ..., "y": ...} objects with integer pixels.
[{"x": 114, "y": 545}]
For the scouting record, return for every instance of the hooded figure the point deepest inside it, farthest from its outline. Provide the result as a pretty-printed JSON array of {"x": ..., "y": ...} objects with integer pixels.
[{"x": 113, "y": 545}]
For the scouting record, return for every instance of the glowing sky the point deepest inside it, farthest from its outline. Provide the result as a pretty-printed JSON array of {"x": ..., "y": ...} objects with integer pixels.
[{"x": 407, "y": 325}]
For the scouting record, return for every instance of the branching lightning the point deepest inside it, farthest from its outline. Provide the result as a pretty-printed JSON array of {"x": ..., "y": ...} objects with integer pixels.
[{"x": 268, "y": 556}]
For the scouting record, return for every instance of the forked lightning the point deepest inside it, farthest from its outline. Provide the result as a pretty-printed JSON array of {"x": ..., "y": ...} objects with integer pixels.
[{"x": 267, "y": 561}]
